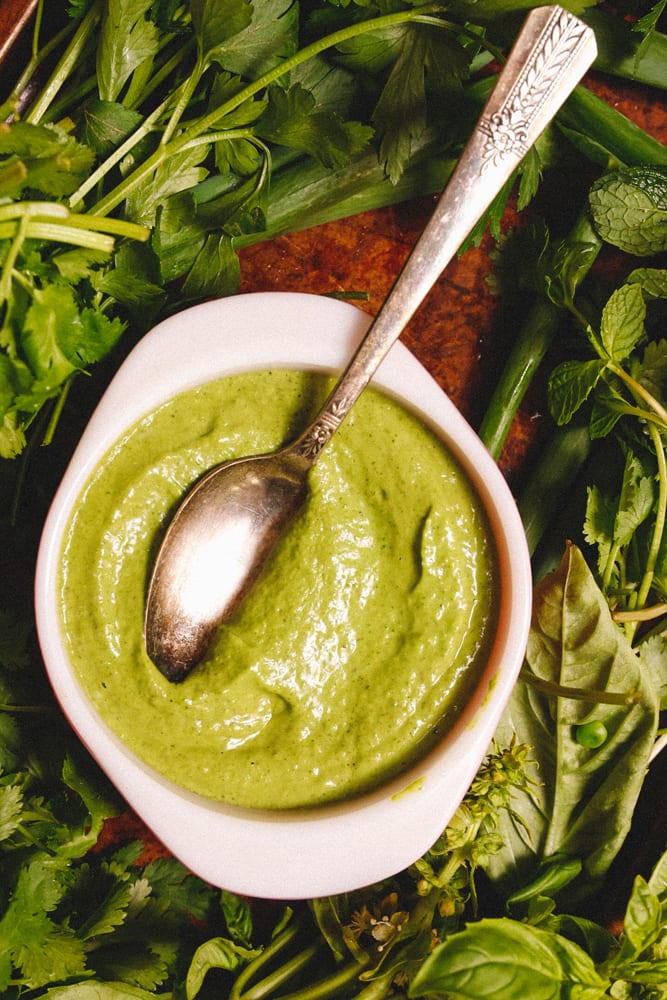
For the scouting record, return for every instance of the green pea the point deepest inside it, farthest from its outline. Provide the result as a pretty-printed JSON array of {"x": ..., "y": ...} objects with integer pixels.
[{"x": 591, "y": 734}]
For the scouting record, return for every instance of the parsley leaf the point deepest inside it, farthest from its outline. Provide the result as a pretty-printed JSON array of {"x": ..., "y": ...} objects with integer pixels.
[
  {"x": 293, "y": 119},
  {"x": 128, "y": 39}
]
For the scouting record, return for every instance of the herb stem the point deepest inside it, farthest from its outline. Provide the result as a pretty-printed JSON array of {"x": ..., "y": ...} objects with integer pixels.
[
  {"x": 284, "y": 973},
  {"x": 641, "y": 614},
  {"x": 580, "y": 694},
  {"x": 640, "y": 392},
  {"x": 329, "y": 986},
  {"x": 76, "y": 199},
  {"x": 251, "y": 970},
  {"x": 529, "y": 350},
  {"x": 69, "y": 59},
  {"x": 659, "y": 521}
]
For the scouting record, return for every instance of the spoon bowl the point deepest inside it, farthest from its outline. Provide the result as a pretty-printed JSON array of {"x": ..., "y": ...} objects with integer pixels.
[{"x": 234, "y": 516}]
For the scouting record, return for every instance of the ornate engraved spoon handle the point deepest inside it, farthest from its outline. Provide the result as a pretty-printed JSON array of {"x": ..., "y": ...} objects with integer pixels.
[{"x": 549, "y": 57}]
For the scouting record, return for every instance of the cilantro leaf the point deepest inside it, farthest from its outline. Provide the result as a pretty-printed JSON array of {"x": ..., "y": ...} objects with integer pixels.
[
  {"x": 635, "y": 500},
  {"x": 47, "y": 334},
  {"x": 14, "y": 637},
  {"x": 180, "y": 172},
  {"x": 170, "y": 880},
  {"x": 216, "y": 270},
  {"x": 42, "y": 157},
  {"x": 11, "y": 807},
  {"x": 653, "y": 372},
  {"x": 44, "y": 951}
]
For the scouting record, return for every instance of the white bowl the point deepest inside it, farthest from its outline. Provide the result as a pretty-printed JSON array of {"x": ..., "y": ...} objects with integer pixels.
[{"x": 342, "y": 846}]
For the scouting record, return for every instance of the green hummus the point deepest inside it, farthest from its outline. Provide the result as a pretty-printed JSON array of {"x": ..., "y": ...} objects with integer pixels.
[{"x": 359, "y": 645}]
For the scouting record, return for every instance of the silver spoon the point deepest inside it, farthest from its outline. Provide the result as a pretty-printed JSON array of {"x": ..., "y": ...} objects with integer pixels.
[{"x": 228, "y": 523}]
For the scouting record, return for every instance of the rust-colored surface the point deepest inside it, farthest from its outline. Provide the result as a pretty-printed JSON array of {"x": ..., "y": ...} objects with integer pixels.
[{"x": 455, "y": 334}]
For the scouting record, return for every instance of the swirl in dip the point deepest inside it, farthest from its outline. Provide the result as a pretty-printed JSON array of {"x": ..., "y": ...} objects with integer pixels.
[{"x": 360, "y": 643}]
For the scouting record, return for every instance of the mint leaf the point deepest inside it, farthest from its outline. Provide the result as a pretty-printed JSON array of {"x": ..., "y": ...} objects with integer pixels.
[
  {"x": 622, "y": 323},
  {"x": 629, "y": 209},
  {"x": 570, "y": 385},
  {"x": 653, "y": 281}
]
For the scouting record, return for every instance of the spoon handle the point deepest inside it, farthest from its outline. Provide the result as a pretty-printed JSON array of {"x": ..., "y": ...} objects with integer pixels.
[{"x": 551, "y": 54}]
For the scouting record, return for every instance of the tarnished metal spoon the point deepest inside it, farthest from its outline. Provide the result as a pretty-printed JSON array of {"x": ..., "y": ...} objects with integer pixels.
[{"x": 228, "y": 523}]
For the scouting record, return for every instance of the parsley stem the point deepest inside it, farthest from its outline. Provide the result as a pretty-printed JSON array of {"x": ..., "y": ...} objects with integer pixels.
[
  {"x": 35, "y": 229},
  {"x": 69, "y": 59},
  {"x": 76, "y": 199}
]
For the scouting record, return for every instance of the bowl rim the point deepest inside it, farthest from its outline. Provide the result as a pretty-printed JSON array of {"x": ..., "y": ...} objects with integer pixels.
[{"x": 340, "y": 846}]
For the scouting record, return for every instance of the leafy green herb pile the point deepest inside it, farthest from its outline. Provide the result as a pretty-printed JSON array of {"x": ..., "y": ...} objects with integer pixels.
[{"x": 160, "y": 139}]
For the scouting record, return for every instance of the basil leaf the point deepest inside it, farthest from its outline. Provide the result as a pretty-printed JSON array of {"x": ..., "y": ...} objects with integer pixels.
[
  {"x": 588, "y": 795},
  {"x": 216, "y": 953},
  {"x": 506, "y": 958}
]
